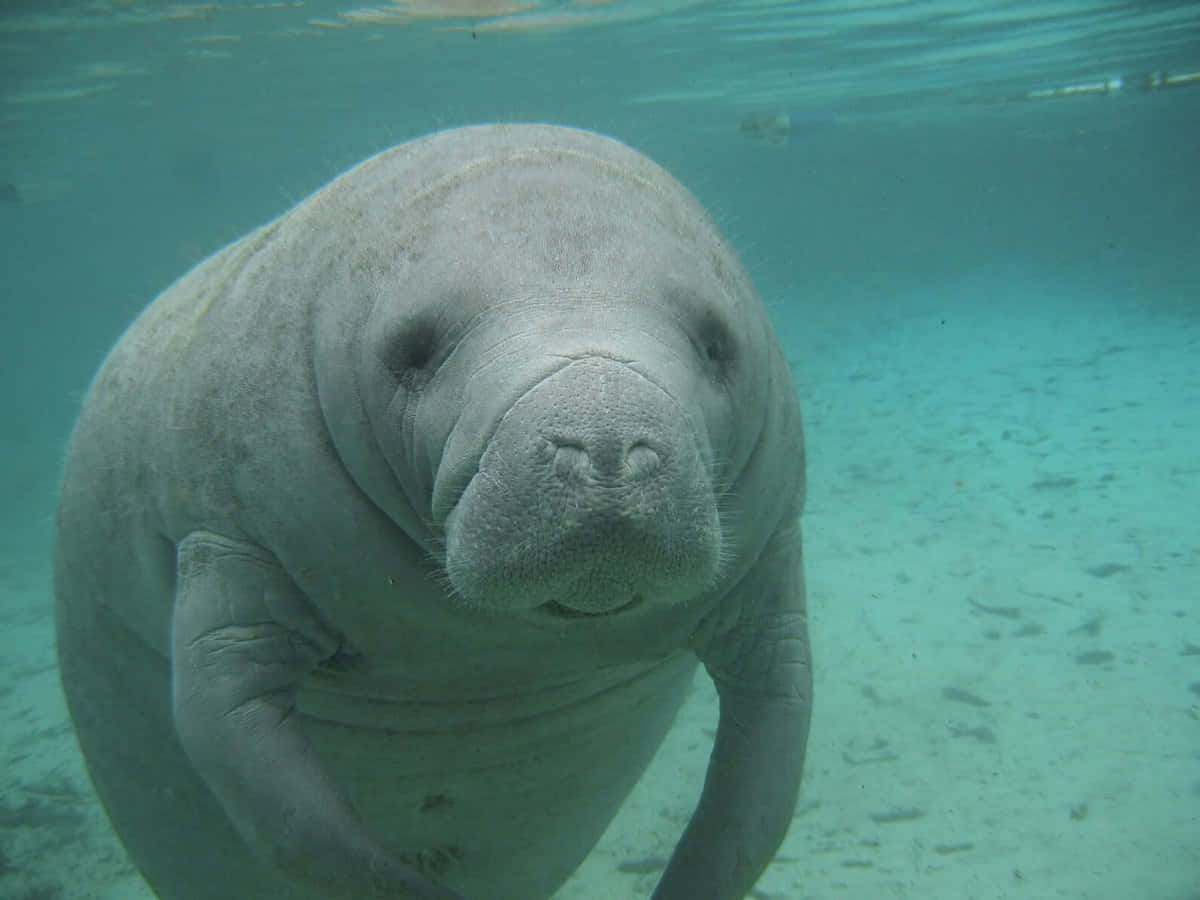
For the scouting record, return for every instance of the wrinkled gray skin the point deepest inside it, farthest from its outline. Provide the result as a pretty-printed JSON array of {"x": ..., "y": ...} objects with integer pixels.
[{"x": 389, "y": 536}]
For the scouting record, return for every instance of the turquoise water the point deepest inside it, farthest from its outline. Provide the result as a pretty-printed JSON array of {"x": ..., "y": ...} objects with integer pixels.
[{"x": 977, "y": 228}]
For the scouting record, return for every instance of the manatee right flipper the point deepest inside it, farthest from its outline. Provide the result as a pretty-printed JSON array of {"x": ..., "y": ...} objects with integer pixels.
[{"x": 243, "y": 637}]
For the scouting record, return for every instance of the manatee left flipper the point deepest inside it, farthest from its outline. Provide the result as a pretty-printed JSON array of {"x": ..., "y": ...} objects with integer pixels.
[
  {"x": 761, "y": 665},
  {"x": 243, "y": 637}
]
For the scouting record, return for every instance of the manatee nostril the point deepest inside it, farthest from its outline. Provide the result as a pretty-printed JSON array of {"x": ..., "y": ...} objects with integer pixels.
[
  {"x": 642, "y": 461},
  {"x": 571, "y": 459}
]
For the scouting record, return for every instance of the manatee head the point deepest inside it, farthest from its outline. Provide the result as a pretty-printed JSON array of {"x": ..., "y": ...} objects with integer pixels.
[{"x": 562, "y": 365}]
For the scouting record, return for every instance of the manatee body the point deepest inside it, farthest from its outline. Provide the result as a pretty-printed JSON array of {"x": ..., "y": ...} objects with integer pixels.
[{"x": 390, "y": 535}]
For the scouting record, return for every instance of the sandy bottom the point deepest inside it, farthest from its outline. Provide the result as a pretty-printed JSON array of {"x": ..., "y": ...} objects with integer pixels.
[{"x": 1003, "y": 560}]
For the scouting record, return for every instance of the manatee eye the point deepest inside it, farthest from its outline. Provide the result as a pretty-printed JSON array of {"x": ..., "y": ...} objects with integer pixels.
[
  {"x": 716, "y": 343},
  {"x": 408, "y": 355}
]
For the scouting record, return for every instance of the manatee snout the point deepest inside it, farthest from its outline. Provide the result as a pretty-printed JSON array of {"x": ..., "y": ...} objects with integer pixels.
[{"x": 593, "y": 493}]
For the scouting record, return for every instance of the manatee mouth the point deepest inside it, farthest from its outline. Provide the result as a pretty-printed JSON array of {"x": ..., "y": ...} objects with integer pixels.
[
  {"x": 562, "y": 611},
  {"x": 585, "y": 561}
]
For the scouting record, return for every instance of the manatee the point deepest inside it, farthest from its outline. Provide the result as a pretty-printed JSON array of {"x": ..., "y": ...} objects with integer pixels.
[
  {"x": 390, "y": 537},
  {"x": 779, "y": 128}
]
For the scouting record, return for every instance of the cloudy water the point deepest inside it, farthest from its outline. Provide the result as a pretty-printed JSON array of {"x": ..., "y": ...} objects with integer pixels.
[{"x": 976, "y": 226}]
